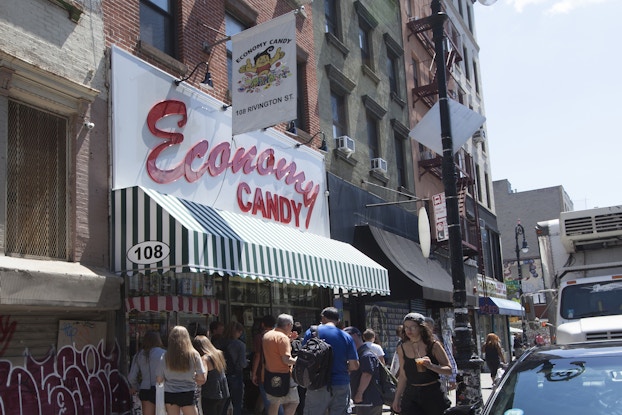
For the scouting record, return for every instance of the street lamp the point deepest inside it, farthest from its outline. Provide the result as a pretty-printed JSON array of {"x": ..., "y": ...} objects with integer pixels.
[
  {"x": 469, "y": 364},
  {"x": 524, "y": 248}
]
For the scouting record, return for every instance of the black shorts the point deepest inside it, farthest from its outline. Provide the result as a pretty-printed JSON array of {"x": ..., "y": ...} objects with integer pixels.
[
  {"x": 147, "y": 395},
  {"x": 179, "y": 398}
]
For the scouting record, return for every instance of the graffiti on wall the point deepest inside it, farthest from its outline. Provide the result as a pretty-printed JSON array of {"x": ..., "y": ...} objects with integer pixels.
[{"x": 67, "y": 382}]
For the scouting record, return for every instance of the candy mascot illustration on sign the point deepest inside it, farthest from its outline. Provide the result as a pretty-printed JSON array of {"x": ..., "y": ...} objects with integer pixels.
[{"x": 266, "y": 71}]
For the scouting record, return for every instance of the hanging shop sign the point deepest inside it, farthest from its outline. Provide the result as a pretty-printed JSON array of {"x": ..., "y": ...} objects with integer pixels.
[{"x": 264, "y": 75}]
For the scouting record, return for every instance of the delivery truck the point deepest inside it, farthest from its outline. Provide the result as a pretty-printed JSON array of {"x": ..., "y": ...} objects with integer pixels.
[{"x": 581, "y": 254}]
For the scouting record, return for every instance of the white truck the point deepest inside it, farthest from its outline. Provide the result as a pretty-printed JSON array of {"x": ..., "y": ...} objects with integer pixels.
[{"x": 581, "y": 256}]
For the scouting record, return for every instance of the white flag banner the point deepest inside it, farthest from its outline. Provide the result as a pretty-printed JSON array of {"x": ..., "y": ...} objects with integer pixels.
[
  {"x": 264, "y": 75},
  {"x": 464, "y": 123}
]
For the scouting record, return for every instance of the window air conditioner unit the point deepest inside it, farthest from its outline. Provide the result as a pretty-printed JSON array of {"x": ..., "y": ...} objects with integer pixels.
[
  {"x": 379, "y": 165},
  {"x": 345, "y": 144},
  {"x": 479, "y": 136}
]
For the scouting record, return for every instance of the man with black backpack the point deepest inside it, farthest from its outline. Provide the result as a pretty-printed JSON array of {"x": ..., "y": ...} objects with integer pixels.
[
  {"x": 365, "y": 382},
  {"x": 332, "y": 394}
]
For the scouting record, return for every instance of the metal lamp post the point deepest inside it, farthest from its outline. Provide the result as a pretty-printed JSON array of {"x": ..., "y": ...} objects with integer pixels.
[{"x": 524, "y": 248}]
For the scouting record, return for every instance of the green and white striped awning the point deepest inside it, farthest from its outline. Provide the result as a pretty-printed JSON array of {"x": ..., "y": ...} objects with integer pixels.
[{"x": 201, "y": 238}]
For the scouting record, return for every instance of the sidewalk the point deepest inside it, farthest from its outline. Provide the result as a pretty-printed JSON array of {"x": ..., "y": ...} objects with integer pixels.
[{"x": 486, "y": 383}]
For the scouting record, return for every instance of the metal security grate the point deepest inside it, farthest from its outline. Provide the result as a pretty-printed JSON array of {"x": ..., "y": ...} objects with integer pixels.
[{"x": 36, "y": 183}]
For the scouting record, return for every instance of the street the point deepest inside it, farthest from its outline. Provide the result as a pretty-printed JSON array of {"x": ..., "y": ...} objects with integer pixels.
[{"x": 486, "y": 383}]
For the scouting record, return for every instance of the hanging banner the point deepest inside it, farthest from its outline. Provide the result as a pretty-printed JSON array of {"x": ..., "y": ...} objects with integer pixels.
[{"x": 264, "y": 75}]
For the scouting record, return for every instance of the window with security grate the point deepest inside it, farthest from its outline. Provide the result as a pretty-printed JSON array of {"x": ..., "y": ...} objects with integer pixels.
[{"x": 36, "y": 183}]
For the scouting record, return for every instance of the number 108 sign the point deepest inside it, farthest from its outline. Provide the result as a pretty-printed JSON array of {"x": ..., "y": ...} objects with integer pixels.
[{"x": 148, "y": 252}]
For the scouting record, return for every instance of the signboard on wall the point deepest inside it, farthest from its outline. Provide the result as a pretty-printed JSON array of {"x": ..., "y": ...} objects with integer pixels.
[{"x": 178, "y": 140}]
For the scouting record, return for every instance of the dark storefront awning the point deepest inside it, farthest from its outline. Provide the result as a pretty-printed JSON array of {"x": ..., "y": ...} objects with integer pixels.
[
  {"x": 44, "y": 284},
  {"x": 493, "y": 305},
  {"x": 403, "y": 258},
  {"x": 201, "y": 238}
]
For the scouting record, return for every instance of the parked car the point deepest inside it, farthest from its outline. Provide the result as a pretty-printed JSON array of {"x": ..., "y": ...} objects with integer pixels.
[{"x": 583, "y": 378}]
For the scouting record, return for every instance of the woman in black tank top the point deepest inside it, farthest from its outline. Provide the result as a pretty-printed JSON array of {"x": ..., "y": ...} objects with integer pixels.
[{"x": 422, "y": 360}]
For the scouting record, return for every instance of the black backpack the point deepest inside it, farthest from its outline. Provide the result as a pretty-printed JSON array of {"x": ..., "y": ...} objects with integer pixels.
[
  {"x": 387, "y": 384},
  {"x": 314, "y": 362}
]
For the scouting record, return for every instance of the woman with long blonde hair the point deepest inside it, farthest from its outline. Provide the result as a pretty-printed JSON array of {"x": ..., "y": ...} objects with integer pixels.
[
  {"x": 181, "y": 369},
  {"x": 215, "y": 391},
  {"x": 494, "y": 354}
]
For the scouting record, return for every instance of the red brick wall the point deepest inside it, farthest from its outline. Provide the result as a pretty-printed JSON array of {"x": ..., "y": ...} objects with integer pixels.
[{"x": 194, "y": 19}]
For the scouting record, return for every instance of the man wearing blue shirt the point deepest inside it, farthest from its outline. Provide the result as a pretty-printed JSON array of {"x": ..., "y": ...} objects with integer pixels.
[{"x": 334, "y": 398}]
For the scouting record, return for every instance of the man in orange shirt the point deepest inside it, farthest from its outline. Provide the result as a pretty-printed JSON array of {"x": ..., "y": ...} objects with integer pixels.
[{"x": 277, "y": 352}]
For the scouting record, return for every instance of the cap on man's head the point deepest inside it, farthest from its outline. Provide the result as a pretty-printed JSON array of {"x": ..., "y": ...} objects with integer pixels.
[
  {"x": 331, "y": 314},
  {"x": 419, "y": 318},
  {"x": 351, "y": 330}
]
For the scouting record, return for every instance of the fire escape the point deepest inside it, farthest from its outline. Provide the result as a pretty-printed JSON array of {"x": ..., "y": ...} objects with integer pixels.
[
  {"x": 429, "y": 161},
  {"x": 422, "y": 29}
]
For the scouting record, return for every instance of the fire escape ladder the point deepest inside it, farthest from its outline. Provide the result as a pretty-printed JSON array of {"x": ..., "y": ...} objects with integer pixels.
[{"x": 422, "y": 28}]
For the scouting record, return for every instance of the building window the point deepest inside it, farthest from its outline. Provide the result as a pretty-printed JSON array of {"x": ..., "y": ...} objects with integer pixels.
[
  {"x": 409, "y": 8},
  {"x": 36, "y": 205},
  {"x": 372, "y": 136},
  {"x": 332, "y": 19},
  {"x": 460, "y": 9},
  {"x": 487, "y": 183},
  {"x": 232, "y": 27},
  {"x": 365, "y": 45},
  {"x": 469, "y": 16},
  {"x": 393, "y": 74},
  {"x": 338, "y": 106},
  {"x": 415, "y": 67},
  {"x": 157, "y": 25},
  {"x": 478, "y": 182},
  {"x": 467, "y": 70},
  {"x": 400, "y": 160},
  {"x": 475, "y": 77}
]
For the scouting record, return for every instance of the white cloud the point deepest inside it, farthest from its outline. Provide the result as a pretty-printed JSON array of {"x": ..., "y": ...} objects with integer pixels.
[
  {"x": 557, "y": 7},
  {"x": 519, "y": 5},
  {"x": 566, "y": 6}
]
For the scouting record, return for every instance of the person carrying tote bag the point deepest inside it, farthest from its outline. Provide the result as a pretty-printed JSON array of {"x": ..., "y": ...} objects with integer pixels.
[{"x": 144, "y": 366}]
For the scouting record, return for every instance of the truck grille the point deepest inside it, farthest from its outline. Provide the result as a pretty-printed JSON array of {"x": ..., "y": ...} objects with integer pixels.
[{"x": 604, "y": 335}]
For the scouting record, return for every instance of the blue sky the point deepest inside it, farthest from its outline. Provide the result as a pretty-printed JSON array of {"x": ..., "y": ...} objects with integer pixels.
[{"x": 552, "y": 90}]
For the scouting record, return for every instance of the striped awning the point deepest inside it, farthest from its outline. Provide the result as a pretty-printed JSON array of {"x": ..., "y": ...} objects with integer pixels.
[
  {"x": 191, "y": 305},
  {"x": 204, "y": 239}
]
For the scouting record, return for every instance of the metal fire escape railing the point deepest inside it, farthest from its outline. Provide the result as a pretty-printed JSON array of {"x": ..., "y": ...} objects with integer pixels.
[{"x": 422, "y": 29}]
